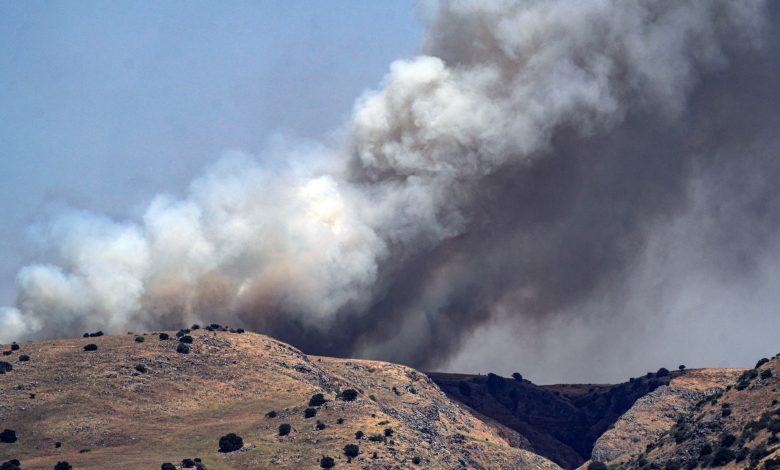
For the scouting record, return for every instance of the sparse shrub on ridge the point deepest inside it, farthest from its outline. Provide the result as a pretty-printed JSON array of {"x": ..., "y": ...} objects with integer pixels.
[
  {"x": 186, "y": 339},
  {"x": 195, "y": 327},
  {"x": 183, "y": 348},
  {"x": 14, "y": 346},
  {"x": 90, "y": 347},
  {"x": 167, "y": 466},
  {"x": 63, "y": 466},
  {"x": 517, "y": 376},
  {"x": 5, "y": 367},
  {"x": 24, "y": 358},
  {"x": 761, "y": 362},
  {"x": 284, "y": 429},
  {"x": 681, "y": 367},
  {"x": 327, "y": 462},
  {"x": 662, "y": 372},
  {"x": 310, "y": 412},
  {"x": 359, "y": 435},
  {"x": 141, "y": 368},
  {"x": 230, "y": 442},
  {"x": 188, "y": 463},
  {"x": 271, "y": 414},
  {"x": 140, "y": 339},
  {"x": 164, "y": 336}
]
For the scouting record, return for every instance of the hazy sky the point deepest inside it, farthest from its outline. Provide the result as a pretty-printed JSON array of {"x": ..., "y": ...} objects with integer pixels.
[{"x": 104, "y": 104}]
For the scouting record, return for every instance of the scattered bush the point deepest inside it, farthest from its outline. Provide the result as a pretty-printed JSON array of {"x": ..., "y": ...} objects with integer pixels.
[
  {"x": 327, "y": 462},
  {"x": 681, "y": 367},
  {"x": 761, "y": 362},
  {"x": 14, "y": 346},
  {"x": 8, "y": 436},
  {"x": 310, "y": 412},
  {"x": 141, "y": 368},
  {"x": 766, "y": 373},
  {"x": 63, "y": 466},
  {"x": 57, "y": 445},
  {"x": 271, "y": 414},
  {"x": 93, "y": 335},
  {"x": 725, "y": 412},
  {"x": 727, "y": 440},
  {"x": 183, "y": 348},
  {"x": 348, "y": 395},
  {"x": 90, "y": 347},
  {"x": 464, "y": 388},
  {"x": 340, "y": 421},
  {"x": 377, "y": 438},
  {"x": 188, "y": 463},
  {"x": 389, "y": 432},
  {"x": 351, "y": 450},
  {"x": 240, "y": 330},
  {"x": 167, "y": 466},
  {"x": 5, "y": 367},
  {"x": 722, "y": 457},
  {"x": 230, "y": 442},
  {"x": 706, "y": 449},
  {"x": 164, "y": 336},
  {"x": 662, "y": 372},
  {"x": 140, "y": 339},
  {"x": 359, "y": 435},
  {"x": 517, "y": 376},
  {"x": 24, "y": 358},
  {"x": 187, "y": 339},
  {"x": 195, "y": 327},
  {"x": 317, "y": 400},
  {"x": 284, "y": 429},
  {"x": 597, "y": 466},
  {"x": 12, "y": 464},
  {"x": 7, "y": 353},
  {"x": 416, "y": 460},
  {"x": 320, "y": 425}
]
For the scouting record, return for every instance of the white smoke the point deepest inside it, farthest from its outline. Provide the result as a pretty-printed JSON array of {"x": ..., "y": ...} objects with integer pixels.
[{"x": 320, "y": 238}]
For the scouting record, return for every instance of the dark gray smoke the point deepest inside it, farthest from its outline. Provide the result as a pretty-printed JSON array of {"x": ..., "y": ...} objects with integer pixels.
[{"x": 574, "y": 189}]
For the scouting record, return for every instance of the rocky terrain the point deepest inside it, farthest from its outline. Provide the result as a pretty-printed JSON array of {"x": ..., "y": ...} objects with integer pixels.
[{"x": 138, "y": 401}]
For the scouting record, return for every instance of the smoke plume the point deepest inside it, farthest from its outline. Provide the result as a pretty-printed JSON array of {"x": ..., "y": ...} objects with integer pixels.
[{"x": 548, "y": 186}]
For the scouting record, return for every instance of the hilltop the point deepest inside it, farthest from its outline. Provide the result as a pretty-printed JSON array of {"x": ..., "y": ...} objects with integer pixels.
[{"x": 135, "y": 402}]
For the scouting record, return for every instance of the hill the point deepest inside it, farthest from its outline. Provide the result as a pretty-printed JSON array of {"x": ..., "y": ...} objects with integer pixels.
[{"x": 136, "y": 402}]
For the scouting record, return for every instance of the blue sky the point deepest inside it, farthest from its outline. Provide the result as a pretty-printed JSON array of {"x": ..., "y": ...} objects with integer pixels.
[{"x": 104, "y": 104}]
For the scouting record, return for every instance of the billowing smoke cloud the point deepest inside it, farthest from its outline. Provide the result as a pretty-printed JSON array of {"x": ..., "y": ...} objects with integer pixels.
[{"x": 540, "y": 166}]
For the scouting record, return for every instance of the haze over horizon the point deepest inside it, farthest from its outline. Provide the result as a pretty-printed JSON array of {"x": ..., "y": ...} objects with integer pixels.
[{"x": 579, "y": 192}]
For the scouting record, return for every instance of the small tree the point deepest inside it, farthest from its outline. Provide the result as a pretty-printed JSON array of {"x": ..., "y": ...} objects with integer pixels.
[
  {"x": 517, "y": 376},
  {"x": 164, "y": 336},
  {"x": 8, "y": 436},
  {"x": 183, "y": 348},
  {"x": 681, "y": 367},
  {"x": 5, "y": 367},
  {"x": 230, "y": 442},
  {"x": 284, "y": 429},
  {"x": 317, "y": 400},
  {"x": 310, "y": 412},
  {"x": 186, "y": 339},
  {"x": 188, "y": 463},
  {"x": 140, "y": 339},
  {"x": 359, "y": 435},
  {"x": 90, "y": 347},
  {"x": 351, "y": 450},
  {"x": 24, "y": 358},
  {"x": 167, "y": 466},
  {"x": 662, "y": 372},
  {"x": 63, "y": 466},
  {"x": 14, "y": 346},
  {"x": 327, "y": 462}
]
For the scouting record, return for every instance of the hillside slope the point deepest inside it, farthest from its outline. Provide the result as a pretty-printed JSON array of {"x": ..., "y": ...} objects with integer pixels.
[{"x": 108, "y": 413}]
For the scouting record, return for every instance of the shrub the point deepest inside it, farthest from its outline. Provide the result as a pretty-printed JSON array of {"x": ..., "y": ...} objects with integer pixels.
[
  {"x": 348, "y": 395},
  {"x": 186, "y": 339},
  {"x": 320, "y": 425},
  {"x": 597, "y": 466},
  {"x": 183, "y": 348},
  {"x": 140, "y": 339},
  {"x": 271, "y": 414},
  {"x": 766, "y": 373},
  {"x": 377, "y": 438},
  {"x": 389, "y": 432},
  {"x": 416, "y": 460},
  {"x": 727, "y": 440},
  {"x": 517, "y": 376},
  {"x": 141, "y": 368},
  {"x": 57, "y": 445},
  {"x": 310, "y": 412},
  {"x": 340, "y": 421},
  {"x": 230, "y": 442},
  {"x": 742, "y": 454},
  {"x": 351, "y": 450},
  {"x": 464, "y": 388},
  {"x": 14, "y": 346},
  {"x": 706, "y": 449},
  {"x": 725, "y": 412},
  {"x": 12, "y": 464},
  {"x": 317, "y": 400},
  {"x": 494, "y": 383},
  {"x": 327, "y": 462},
  {"x": 24, "y": 358},
  {"x": 8, "y": 436},
  {"x": 681, "y": 367},
  {"x": 167, "y": 466},
  {"x": 63, "y": 466},
  {"x": 5, "y": 367},
  {"x": 95, "y": 334},
  {"x": 188, "y": 463},
  {"x": 761, "y": 362},
  {"x": 662, "y": 372},
  {"x": 7, "y": 353},
  {"x": 164, "y": 336},
  {"x": 359, "y": 435},
  {"x": 195, "y": 327},
  {"x": 284, "y": 429},
  {"x": 90, "y": 347},
  {"x": 722, "y": 457}
]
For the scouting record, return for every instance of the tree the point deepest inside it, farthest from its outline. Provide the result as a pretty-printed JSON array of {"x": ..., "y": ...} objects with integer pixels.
[
  {"x": 8, "y": 436},
  {"x": 351, "y": 450},
  {"x": 186, "y": 339},
  {"x": 63, "y": 466},
  {"x": 183, "y": 348},
  {"x": 662, "y": 372},
  {"x": 24, "y": 358},
  {"x": 167, "y": 466},
  {"x": 188, "y": 463},
  {"x": 681, "y": 367},
  {"x": 284, "y": 429},
  {"x": 310, "y": 412},
  {"x": 230, "y": 442},
  {"x": 14, "y": 346},
  {"x": 517, "y": 376},
  {"x": 90, "y": 347},
  {"x": 5, "y": 367},
  {"x": 317, "y": 400},
  {"x": 348, "y": 395},
  {"x": 327, "y": 462}
]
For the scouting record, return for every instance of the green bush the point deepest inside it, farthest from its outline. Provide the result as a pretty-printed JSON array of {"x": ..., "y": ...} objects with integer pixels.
[
  {"x": 164, "y": 336},
  {"x": 662, "y": 372},
  {"x": 317, "y": 399},
  {"x": 271, "y": 414},
  {"x": 5, "y": 367},
  {"x": 140, "y": 339},
  {"x": 327, "y": 462},
  {"x": 309, "y": 413},
  {"x": 348, "y": 395},
  {"x": 90, "y": 347},
  {"x": 766, "y": 373},
  {"x": 63, "y": 466},
  {"x": 141, "y": 368},
  {"x": 12, "y": 464},
  {"x": 230, "y": 442},
  {"x": 320, "y": 425},
  {"x": 359, "y": 435},
  {"x": 389, "y": 432},
  {"x": 597, "y": 466},
  {"x": 183, "y": 348},
  {"x": 8, "y": 436},
  {"x": 284, "y": 429},
  {"x": 722, "y": 457},
  {"x": 167, "y": 466},
  {"x": 187, "y": 339},
  {"x": 24, "y": 358},
  {"x": 351, "y": 450},
  {"x": 188, "y": 463},
  {"x": 761, "y": 362},
  {"x": 14, "y": 346}
]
